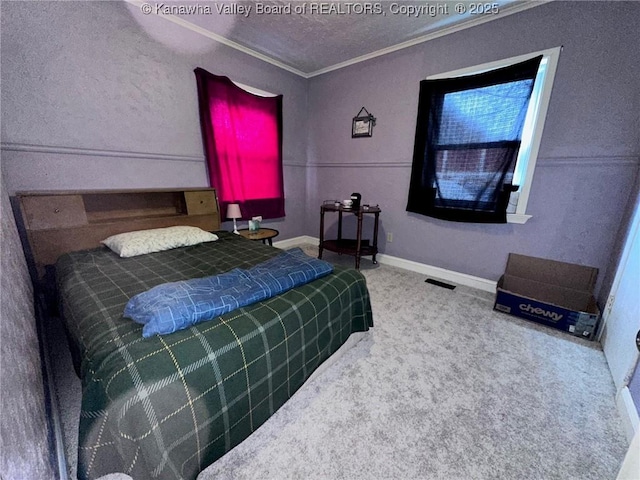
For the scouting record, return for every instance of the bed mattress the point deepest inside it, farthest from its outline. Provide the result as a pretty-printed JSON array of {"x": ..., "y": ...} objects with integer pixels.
[{"x": 168, "y": 406}]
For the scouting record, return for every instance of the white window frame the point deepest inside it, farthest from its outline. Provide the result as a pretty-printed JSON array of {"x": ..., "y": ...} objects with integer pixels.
[{"x": 536, "y": 115}]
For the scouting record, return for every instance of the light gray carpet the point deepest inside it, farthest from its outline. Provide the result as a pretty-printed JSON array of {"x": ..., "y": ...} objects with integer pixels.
[{"x": 442, "y": 387}]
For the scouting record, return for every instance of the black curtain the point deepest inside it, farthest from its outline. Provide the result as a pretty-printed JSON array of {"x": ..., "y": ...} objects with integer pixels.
[{"x": 467, "y": 140}]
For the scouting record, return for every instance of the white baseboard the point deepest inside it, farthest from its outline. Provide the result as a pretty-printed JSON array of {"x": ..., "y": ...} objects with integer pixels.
[
  {"x": 631, "y": 463},
  {"x": 295, "y": 241},
  {"x": 437, "y": 272},
  {"x": 628, "y": 413}
]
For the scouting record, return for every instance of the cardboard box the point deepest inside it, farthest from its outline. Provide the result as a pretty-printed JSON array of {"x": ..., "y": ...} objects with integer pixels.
[{"x": 556, "y": 294}]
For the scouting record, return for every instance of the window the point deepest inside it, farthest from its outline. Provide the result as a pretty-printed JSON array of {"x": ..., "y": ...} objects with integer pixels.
[
  {"x": 532, "y": 129},
  {"x": 242, "y": 136}
]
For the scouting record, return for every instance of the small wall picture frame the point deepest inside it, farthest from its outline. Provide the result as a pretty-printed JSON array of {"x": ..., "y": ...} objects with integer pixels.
[{"x": 362, "y": 125}]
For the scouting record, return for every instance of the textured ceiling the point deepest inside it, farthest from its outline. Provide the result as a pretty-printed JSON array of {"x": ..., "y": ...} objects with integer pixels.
[{"x": 309, "y": 37}]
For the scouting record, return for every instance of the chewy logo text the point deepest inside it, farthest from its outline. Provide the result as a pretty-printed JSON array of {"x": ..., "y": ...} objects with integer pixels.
[{"x": 527, "y": 307}]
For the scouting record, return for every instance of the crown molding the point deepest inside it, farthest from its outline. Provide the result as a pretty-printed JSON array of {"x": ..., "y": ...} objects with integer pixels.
[
  {"x": 472, "y": 22},
  {"x": 225, "y": 41}
]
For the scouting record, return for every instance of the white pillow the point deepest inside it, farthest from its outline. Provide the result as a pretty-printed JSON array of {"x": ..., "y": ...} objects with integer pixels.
[{"x": 130, "y": 244}]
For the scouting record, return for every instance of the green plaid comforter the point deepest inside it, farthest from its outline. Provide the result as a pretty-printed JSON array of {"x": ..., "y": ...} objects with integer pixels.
[{"x": 168, "y": 406}]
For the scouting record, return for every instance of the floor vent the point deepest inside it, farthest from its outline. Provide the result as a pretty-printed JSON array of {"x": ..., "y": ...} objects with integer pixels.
[{"x": 440, "y": 284}]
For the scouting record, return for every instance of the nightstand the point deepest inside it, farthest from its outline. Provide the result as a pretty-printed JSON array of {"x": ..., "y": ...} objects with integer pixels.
[
  {"x": 264, "y": 234},
  {"x": 356, "y": 247}
]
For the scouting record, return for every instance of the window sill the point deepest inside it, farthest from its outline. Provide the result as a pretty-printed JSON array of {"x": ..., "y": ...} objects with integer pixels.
[{"x": 518, "y": 218}]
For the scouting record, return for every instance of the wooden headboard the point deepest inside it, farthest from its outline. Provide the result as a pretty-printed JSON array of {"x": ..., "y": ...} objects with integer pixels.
[{"x": 59, "y": 222}]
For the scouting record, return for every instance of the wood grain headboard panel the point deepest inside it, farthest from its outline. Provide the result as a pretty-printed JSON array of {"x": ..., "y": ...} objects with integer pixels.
[{"x": 60, "y": 222}]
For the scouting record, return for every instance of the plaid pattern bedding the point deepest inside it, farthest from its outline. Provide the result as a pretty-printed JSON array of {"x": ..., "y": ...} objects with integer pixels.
[
  {"x": 176, "y": 305},
  {"x": 168, "y": 406}
]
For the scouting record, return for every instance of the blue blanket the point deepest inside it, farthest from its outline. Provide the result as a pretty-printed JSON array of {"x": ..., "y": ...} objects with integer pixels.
[{"x": 177, "y": 305}]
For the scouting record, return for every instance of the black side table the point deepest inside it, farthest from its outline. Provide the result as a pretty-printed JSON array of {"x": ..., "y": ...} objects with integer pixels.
[{"x": 356, "y": 247}]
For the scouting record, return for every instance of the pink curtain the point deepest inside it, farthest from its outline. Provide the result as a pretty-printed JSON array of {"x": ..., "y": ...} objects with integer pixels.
[{"x": 242, "y": 137}]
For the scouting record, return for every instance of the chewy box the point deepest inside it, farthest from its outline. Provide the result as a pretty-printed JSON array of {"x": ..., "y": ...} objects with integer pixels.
[{"x": 556, "y": 294}]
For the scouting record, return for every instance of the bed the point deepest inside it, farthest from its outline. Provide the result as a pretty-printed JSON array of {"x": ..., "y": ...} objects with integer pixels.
[{"x": 169, "y": 405}]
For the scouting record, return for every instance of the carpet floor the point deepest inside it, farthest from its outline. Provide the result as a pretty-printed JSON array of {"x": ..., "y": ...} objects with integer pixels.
[{"x": 442, "y": 387}]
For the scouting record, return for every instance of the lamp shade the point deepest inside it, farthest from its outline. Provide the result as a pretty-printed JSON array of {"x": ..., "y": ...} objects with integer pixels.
[{"x": 233, "y": 211}]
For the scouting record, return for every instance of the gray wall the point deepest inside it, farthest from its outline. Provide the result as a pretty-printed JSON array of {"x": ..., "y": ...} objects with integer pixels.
[
  {"x": 97, "y": 95},
  {"x": 80, "y": 94},
  {"x": 24, "y": 443},
  {"x": 588, "y": 157},
  {"x": 94, "y": 96}
]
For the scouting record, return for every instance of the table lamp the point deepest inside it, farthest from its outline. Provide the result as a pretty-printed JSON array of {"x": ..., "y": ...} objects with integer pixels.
[{"x": 233, "y": 211}]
